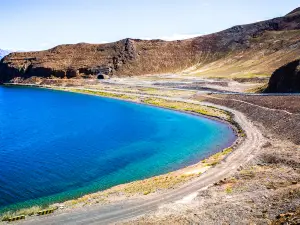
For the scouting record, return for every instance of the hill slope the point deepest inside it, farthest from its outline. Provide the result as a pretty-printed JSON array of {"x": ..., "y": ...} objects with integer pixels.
[{"x": 257, "y": 48}]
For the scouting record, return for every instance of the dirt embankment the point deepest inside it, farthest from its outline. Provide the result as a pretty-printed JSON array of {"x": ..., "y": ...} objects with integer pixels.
[{"x": 280, "y": 115}]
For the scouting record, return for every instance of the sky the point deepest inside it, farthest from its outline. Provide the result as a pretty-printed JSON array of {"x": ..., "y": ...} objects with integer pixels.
[{"x": 29, "y": 25}]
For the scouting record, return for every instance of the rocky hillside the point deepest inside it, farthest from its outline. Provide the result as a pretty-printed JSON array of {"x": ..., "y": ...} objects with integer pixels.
[
  {"x": 286, "y": 79},
  {"x": 257, "y": 48}
]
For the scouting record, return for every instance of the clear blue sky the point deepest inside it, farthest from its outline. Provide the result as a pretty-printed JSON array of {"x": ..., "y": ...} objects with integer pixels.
[{"x": 41, "y": 24}]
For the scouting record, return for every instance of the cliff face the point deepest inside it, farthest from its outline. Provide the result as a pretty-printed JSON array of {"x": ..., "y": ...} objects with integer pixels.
[
  {"x": 238, "y": 45},
  {"x": 286, "y": 79}
]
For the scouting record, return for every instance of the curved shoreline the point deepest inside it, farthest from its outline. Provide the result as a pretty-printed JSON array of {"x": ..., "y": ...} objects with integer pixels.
[
  {"x": 235, "y": 144},
  {"x": 127, "y": 210}
]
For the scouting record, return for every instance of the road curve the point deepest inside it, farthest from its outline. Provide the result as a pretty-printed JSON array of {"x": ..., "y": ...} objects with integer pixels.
[{"x": 117, "y": 212}]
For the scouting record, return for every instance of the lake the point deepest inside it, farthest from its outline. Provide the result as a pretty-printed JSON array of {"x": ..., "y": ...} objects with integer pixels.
[{"x": 56, "y": 145}]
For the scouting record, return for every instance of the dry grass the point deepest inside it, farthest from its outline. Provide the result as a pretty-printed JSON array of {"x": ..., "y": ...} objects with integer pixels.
[
  {"x": 155, "y": 184},
  {"x": 217, "y": 158},
  {"x": 258, "y": 89},
  {"x": 104, "y": 94},
  {"x": 189, "y": 107},
  {"x": 26, "y": 211}
]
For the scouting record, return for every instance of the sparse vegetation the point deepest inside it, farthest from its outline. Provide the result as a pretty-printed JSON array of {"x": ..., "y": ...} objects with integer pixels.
[
  {"x": 259, "y": 89},
  {"x": 147, "y": 192},
  {"x": 228, "y": 190},
  {"x": 218, "y": 157},
  {"x": 148, "y": 186},
  {"x": 247, "y": 173},
  {"x": 189, "y": 107},
  {"x": 26, "y": 212},
  {"x": 104, "y": 94}
]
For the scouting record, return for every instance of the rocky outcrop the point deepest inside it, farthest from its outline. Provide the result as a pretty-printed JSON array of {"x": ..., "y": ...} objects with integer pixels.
[
  {"x": 245, "y": 48},
  {"x": 286, "y": 79}
]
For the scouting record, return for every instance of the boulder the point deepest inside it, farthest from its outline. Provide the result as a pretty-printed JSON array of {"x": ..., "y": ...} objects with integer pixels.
[{"x": 286, "y": 79}]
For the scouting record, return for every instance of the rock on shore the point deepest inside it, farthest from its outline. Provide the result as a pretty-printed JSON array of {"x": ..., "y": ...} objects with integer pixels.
[{"x": 286, "y": 79}]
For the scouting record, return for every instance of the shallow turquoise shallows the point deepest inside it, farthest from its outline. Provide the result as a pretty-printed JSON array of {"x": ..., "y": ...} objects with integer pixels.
[{"x": 57, "y": 145}]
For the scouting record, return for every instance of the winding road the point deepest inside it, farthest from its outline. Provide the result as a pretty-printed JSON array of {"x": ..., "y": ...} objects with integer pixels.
[{"x": 116, "y": 212}]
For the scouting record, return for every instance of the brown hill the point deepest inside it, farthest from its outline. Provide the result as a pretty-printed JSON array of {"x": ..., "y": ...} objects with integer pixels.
[
  {"x": 257, "y": 48},
  {"x": 286, "y": 79}
]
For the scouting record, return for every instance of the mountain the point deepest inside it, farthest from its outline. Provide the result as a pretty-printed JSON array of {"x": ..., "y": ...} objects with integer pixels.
[
  {"x": 294, "y": 12},
  {"x": 257, "y": 48},
  {"x": 286, "y": 79},
  {"x": 3, "y": 53}
]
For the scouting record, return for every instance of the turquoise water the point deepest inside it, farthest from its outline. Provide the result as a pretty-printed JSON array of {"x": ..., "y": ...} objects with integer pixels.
[{"x": 58, "y": 145}]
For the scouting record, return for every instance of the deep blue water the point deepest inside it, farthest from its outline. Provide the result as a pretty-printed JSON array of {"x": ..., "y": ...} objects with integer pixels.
[{"x": 57, "y": 145}]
